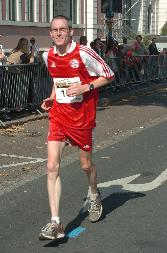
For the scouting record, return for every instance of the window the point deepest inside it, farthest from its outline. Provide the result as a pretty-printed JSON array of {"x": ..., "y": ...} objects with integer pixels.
[
  {"x": 19, "y": 10},
  {"x": 73, "y": 14},
  {"x": 48, "y": 11},
  {"x": 45, "y": 10},
  {"x": 62, "y": 7},
  {"x": 0, "y": 9},
  {"x": 149, "y": 11},
  {"x": 11, "y": 10},
  {"x": 29, "y": 10}
]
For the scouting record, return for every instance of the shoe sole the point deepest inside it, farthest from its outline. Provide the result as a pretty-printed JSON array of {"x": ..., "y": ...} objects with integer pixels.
[{"x": 45, "y": 237}]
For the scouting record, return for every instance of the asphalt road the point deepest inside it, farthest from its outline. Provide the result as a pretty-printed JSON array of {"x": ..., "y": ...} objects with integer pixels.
[
  {"x": 132, "y": 221},
  {"x": 132, "y": 174}
]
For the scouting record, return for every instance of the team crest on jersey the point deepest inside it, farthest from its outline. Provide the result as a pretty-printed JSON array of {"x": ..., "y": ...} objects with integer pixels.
[
  {"x": 53, "y": 65},
  {"x": 74, "y": 63}
]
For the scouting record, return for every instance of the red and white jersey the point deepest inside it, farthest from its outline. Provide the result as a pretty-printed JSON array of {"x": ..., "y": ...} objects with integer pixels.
[{"x": 79, "y": 65}]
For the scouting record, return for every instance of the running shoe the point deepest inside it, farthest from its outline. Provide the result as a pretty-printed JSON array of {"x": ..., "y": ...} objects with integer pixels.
[
  {"x": 52, "y": 231},
  {"x": 95, "y": 208}
]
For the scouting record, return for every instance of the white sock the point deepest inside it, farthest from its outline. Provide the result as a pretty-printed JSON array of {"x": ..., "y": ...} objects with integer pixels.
[
  {"x": 55, "y": 219},
  {"x": 93, "y": 196},
  {"x": 89, "y": 192}
]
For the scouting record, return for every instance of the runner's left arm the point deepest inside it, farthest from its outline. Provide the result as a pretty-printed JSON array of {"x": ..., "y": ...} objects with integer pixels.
[{"x": 96, "y": 67}]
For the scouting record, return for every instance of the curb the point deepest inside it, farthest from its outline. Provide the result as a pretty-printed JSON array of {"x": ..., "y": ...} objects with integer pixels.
[{"x": 24, "y": 120}]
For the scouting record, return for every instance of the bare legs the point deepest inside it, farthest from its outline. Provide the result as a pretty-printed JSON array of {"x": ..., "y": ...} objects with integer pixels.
[
  {"x": 90, "y": 169},
  {"x": 94, "y": 199},
  {"x": 55, "y": 150}
]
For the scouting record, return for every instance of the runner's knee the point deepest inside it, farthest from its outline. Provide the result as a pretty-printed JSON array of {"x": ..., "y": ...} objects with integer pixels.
[
  {"x": 86, "y": 164},
  {"x": 52, "y": 167}
]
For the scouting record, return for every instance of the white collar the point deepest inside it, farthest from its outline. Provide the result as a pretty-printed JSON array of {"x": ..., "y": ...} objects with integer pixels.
[{"x": 71, "y": 48}]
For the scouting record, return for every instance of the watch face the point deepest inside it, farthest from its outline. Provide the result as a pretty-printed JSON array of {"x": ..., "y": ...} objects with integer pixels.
[{"x": 91, "y": 87}]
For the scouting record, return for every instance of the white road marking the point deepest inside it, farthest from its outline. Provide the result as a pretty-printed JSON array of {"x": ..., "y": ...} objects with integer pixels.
[
  {"x": 32, "y": 160},
  {"x": 126, "y": 185},
  {"x": 122, "y": 181}
]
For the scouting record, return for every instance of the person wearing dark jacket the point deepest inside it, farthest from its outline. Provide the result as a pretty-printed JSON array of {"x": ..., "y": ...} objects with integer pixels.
[{"x": 153, "y": 48}]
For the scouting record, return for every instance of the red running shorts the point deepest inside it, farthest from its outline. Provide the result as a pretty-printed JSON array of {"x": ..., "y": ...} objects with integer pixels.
[{"x": 76, "y": 137}]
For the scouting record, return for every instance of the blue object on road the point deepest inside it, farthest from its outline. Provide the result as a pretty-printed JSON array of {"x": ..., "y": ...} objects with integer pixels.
[{"x": 77, "y": 231}]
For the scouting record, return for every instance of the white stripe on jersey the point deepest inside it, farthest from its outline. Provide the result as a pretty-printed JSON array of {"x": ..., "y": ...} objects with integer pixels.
[
  {"x": 95, "y": 65},
  {"x": 96, "y": 56}
]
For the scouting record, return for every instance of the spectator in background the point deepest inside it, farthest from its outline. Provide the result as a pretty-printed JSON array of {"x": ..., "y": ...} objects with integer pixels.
[
  {"x": 113, "y": 57},
  {"x": 34, "y": 49},
  {"x": 125, "y": 41},
  {"x": 138, "y": 47},
  {"x": 125, "y": 46},
  {"x": 153, "y": 48},
  {"x": 4, "y": 113},
  {"x": 110, "y": 57},
  {"x": 139, "y": 51},
  {"x": 99, "y": 47},
  {"x": 20, "y": 54},
  {"x": 164, "y": 51},
  {"x": 92, "y": 44},
  {"x": 83, "y": 40},
  {"x": 2, "y": 56},
  {"x": 153, "y": 61}
]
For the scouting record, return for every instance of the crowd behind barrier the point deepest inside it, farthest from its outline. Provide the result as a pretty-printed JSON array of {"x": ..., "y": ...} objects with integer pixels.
[
  {"x": 136, "y": 70},
  {"x": 28, "y": 84}
]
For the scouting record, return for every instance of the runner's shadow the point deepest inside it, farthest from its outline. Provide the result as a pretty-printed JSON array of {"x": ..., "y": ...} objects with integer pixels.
[
  {"x": 77, "y": 221},
  {"x": 117, "y": 198},
  {"x": 56, "y": 243}
]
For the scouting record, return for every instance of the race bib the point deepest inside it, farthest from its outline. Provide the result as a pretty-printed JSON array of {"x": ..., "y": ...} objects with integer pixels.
[{"x": 61, "y": 86}]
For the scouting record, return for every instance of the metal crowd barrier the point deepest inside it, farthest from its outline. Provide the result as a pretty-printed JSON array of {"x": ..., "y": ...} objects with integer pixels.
[
  {"x": 23, "y": 85},
  {"x": 28, "y": 84},
  {"x": 137, "y": 70}
]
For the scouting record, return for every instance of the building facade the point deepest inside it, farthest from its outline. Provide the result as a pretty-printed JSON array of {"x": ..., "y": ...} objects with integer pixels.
[{"x": 31, "y": 18}]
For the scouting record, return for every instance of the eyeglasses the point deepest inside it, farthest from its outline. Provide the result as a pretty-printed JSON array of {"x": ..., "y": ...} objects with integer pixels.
[{"x": 60, "y": 30}]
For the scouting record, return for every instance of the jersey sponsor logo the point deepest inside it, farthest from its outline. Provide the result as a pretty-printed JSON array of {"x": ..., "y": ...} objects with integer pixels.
[
  {"x": 74, "y": 63},
  {"x": 53, "y": 65}
]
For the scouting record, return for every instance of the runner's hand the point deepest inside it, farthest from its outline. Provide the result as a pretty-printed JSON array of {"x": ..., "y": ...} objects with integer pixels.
[
  {"x": 77, "y": 89},
  {"x": 47, "y": 104}
]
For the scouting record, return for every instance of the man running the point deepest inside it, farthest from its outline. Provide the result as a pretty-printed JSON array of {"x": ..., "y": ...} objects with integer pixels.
[{"x": 77, "y": 72}]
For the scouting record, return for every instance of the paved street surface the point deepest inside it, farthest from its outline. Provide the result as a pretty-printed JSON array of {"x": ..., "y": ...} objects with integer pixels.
[{"x": 130, "y": 153}]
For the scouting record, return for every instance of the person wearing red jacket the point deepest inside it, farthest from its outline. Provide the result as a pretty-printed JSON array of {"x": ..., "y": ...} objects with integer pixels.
[{"x": 77, "y": 73}]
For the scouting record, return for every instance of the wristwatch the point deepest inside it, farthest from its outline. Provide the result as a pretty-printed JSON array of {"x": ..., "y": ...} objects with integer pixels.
[{"x": 91, "y": 86}]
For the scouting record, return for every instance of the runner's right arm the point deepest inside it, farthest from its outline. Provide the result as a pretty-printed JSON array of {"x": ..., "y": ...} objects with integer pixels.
[{"x": 48, "y": 102}]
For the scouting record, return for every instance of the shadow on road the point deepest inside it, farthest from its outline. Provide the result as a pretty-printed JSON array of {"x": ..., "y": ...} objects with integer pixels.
[{"x": 115, "y": 200}]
